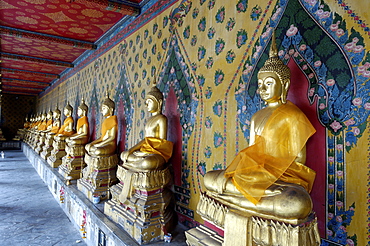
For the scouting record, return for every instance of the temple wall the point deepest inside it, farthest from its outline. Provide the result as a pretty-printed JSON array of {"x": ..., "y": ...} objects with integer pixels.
[{"x": 205, "y": 55}]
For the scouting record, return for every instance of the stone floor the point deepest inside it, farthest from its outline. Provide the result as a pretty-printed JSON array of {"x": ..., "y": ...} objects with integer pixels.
[{"x": 29, "y": 214}]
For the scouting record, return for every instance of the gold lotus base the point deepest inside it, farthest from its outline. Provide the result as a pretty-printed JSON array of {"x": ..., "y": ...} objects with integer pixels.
[
  {"x": 46, "y": 152},
  {"x": 71, "y": 167},
  {"x": 98, "y": 176},
  {"x": 146, "y": 217},
  {"x": 55, "y": 158},
  {"x": 242, "y": 228}
]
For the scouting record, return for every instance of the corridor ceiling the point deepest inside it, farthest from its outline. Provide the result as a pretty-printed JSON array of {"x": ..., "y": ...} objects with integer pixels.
[{"x": 42, "y": 38}]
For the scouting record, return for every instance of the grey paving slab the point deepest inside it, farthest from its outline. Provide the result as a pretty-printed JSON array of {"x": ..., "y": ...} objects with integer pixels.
[{"x": 29, "y": 214}]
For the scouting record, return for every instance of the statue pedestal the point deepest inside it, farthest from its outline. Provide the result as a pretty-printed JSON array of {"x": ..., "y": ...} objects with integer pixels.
[
  {"x": 35, "y": 139},
  {"x": 48, "y": 146},
  {"x": 98, "y": 176},
  {"x": 40, "y": 143},
  {"x": 58, "y": 152},
  {"x": 73, "y": 162},
  {"x": 147, "y": 215},
  {"x": 241, "y": 228}
]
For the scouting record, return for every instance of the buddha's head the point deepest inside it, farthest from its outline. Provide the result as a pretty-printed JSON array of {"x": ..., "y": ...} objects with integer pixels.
[
  {"x": 68, "y": 110},
  {"x": 108, "y": 106},
  {"x": 82, "y": 109},
  {"x": 43, "y": 116},
  {"x": 274, "y": 77},
  {"x": 56, "y": 113},
  {"x": 154, "y": 100},
  {"x": 49, "y": 115}
]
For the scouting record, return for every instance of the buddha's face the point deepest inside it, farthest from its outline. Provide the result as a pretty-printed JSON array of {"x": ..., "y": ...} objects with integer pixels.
[
  {"x": 67, "y": 112},
  {"x": 269, "y": 87},
  {"x": 56, "y": 115},
  {"x": 105, "y": 110},
  {"x": 151, "y": 104},
  {"x": 79, "y": 112}
]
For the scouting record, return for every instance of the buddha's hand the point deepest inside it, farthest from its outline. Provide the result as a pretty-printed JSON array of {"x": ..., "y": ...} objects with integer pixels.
[{"x": 124, "y": 156}]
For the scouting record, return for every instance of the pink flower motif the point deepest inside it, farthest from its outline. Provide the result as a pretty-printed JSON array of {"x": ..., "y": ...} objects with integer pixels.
[
  {"x": 291, "y": 52},
  {"x": 342, "y": 227},
  {"x": 317, "y": 63},
  {"x": 303, "y": 47},
  {"x": 349, "y": 46},
  {"x": 331, "y": 159},
  {"x": 286, "y": 56},
  {"x": 366, "y": 74},
  {"x": 339, "y": 32},
  {"x": 349, "y": 122},
  {"x": 339, "y": 204},
  {"x": 339, "y": 219},
  {"x": 324, "y": 15},
  {"x": 281, "y": 52},
  {"x": 311, "y": 2},
  {"x": 356, "y": 131},
  {"x": 319, "y": 12},
  {"x": 330, "y": 82},
  {"x": 322, "y": 106},
  {"x": 340, "y": 174},
  {"x": 330, "y": 215},
  {"x": 334, "y": 27},
  {"x": 355, "y": 40},
  {"x": 296, "y": 54},
  {"x": 367, "y": 64},
  {"x": 335, "y": 125},
  {"x": 331, "y": 186},
  {"x": 311, "y": 75},
  {"x": 367, "y": 106},
  {"x": 304, "y": 67},
  {"x": 348, "y": 143},
  {"x": 339, "y": 146},
  {"x": 358, "y": 48},
  {"x": 311, "y": 92},
  {"x": 361, "y": 69},
  {"x": 329, "y": 232},
  {"x": 357, "y": 101},
  {"x": 350, "y": 242},
  {"x": 292, "y": 31}
]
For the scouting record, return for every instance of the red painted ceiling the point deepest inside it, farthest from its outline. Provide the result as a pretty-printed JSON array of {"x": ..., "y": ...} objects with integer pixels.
[{"x": 42, "y": 38}]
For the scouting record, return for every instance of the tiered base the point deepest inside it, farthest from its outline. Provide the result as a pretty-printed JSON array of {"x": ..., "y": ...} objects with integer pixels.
[
  {"x": 241, "y": 228},
  {"x": 73, "y": 163},
  {"x": 147, "y": 215},
  {"x": 58, "y": 152},
  {"x": 98, "y": 176}
]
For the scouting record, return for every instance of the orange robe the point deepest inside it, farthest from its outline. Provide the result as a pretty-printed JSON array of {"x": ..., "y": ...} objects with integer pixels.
[
  {"x": 82, "y": 121},
  {"x": 158, "y": 146},
  {"x": 62, "y": 130},
  {"x": 273, "y": 155},
  {"x": 108, "y": 124}
]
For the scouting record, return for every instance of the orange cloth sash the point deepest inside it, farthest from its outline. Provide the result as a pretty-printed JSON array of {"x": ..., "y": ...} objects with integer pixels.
[
  {"x": 108, "y": 124},
  {"x": 62, "y": 130},
  {"x": 42, "y": 126},
  {"x": 158, "y": 146},
  {"x": 82, "y": 121},
  {"x": 272, "y": 155},
  {"x": 49, "y": 123}
]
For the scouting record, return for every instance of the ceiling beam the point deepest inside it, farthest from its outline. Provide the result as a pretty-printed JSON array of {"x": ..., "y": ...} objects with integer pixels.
[
  {"x": 7, "y": 87},
  {"x": 12, "y": 56},
  {"x": 27, "y": 72},
  {"x": 20, "y": 33},
  {"x": 28, "y": 82},
  {"x": 123, "y": 7},
  {"x": 21, "y": 93}
]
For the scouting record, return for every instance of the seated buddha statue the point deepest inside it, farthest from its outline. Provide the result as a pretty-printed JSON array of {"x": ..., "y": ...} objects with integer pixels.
[
  {"x": 82, "y": 129},
  {"x": 46, "y": 128},
  {"x": 269, "y": 178},
  {"x": 66, "y": 130},
  {"x": 152, "y": 152},
  {"x": 49, "y": 136},
  {"x": 100, "y": 157},
  {"x": 105, "y": 145}
]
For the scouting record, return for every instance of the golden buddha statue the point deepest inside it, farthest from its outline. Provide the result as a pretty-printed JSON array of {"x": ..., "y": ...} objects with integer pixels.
[
  {"x": 101, "y": 157},
  {"x": 66, "y": 130},
  {"x": 41, "y": 126},
  {"x": 42, "y": 133},
  {"x": 268, "y": 179},
  {"x": 49, "y": 136},
  {"x": 73, "y": 162},
  {"x": 144, "y": 171}
]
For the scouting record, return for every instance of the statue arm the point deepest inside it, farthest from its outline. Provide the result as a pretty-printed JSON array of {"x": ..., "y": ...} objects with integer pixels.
[
  {"x": 108, "y": 138},
  {"x": 162, "y": 125},
  {"x": 81, "y": 132}
]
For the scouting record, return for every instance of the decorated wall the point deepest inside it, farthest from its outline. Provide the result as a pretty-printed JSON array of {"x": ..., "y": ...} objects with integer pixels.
[{"x": 204, "y": 56}]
